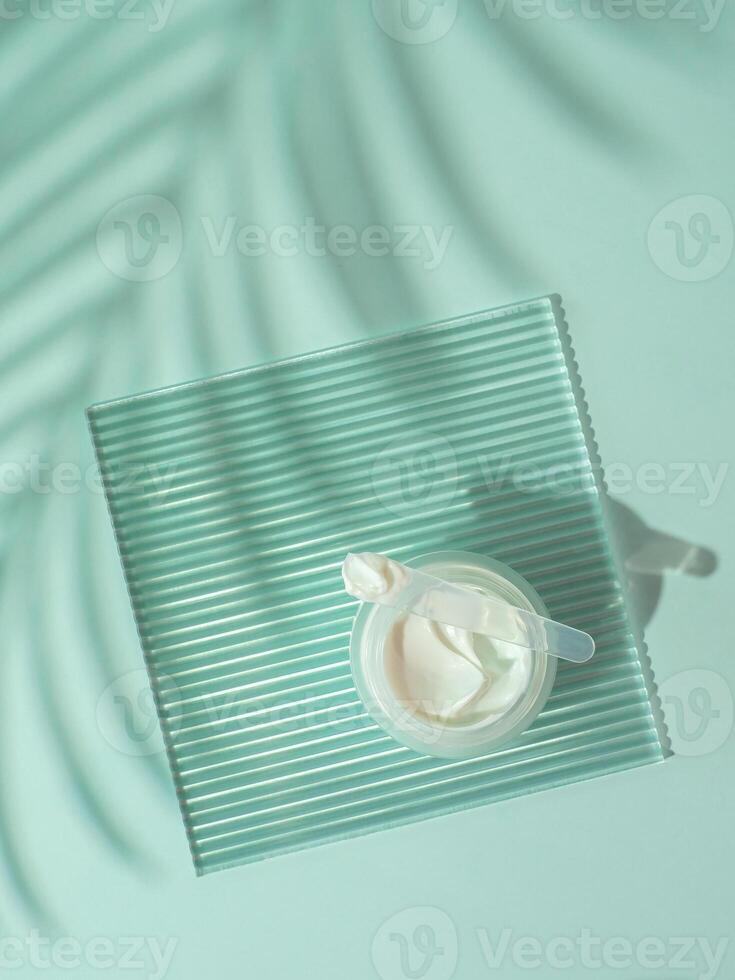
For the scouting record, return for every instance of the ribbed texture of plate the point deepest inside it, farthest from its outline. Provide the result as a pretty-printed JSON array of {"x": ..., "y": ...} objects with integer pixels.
[{"x": 234, "y": 501}]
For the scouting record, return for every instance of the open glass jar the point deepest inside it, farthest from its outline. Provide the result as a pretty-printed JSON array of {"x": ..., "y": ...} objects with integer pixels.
[{"x": 487, "y": 723}]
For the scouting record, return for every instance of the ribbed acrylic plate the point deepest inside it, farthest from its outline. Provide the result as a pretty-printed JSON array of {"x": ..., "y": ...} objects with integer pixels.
[{"x": 234, "y": 501}]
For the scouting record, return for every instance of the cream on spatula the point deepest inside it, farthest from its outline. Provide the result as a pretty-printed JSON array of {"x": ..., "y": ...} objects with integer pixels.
[{"x": 379, "y": 579}]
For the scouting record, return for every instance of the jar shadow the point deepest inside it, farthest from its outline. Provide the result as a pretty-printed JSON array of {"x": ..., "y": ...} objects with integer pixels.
[{"x": 647, "y": 555}]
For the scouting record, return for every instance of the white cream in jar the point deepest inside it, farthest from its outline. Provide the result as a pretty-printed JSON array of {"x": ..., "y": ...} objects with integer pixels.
[{"x": 448, "y": 674}]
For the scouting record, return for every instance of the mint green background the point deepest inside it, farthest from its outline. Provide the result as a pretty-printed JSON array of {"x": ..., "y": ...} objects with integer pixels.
[{"x": 550, "y": 146}]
